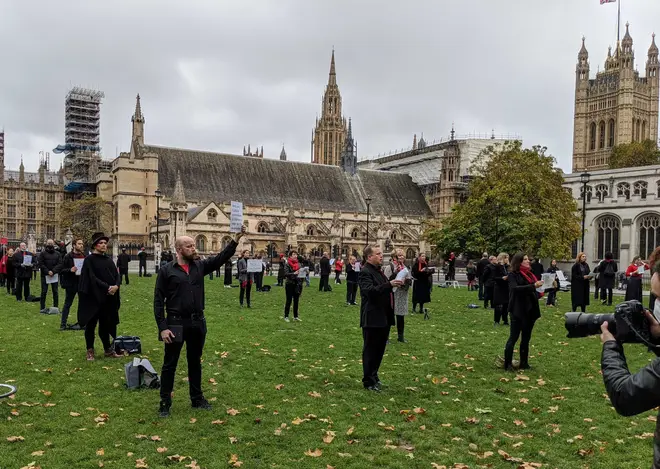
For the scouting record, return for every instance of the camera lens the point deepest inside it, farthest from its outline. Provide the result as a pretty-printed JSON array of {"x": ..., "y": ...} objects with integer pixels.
[{"x": 584, "y": 324}]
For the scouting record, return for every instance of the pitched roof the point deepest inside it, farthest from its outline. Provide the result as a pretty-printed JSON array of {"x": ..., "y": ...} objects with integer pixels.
[{"x": 222, "y": 178}]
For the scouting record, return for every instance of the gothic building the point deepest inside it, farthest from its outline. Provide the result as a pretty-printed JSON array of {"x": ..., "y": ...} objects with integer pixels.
[
  {"x": 618, "y": 106},
  {"x": 330, "y": 132}
]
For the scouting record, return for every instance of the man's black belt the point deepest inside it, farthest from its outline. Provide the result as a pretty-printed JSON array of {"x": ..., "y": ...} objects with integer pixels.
[{"x": 178, "y": 317}]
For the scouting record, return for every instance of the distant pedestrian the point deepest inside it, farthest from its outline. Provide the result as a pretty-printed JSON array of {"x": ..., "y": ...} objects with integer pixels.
[{"x": 122, "y": 264}]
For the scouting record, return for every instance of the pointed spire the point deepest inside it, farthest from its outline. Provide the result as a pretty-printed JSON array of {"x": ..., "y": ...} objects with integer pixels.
[
  {"x": 583, "y": 50},
  {"x": 653, "y": 49},
  {"x": 21, "y": 167},
  {"x": 453, "y": 131},
  {"x": 414, "y": 142},
  {"x": 179, "y": 196},
  {"x": 350, "y": 130},
  {"x": 283, "y": 154},
  {"x": 137, "y": 116},
  {"x": 262, "y": 151},
  {"x": 332, "y": 80}
]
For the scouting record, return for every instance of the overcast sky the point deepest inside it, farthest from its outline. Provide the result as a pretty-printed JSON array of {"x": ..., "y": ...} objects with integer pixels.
[{"x": 219, "y": 74}]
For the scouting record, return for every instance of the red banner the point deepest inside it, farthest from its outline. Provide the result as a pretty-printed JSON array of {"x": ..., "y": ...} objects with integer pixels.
[{"x": 4, "y": 240}]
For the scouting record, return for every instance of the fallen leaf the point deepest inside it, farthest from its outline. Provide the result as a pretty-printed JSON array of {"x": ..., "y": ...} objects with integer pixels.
[
  {"x": 313, "y": 454},
  {"x": 155, "y": 438},
  {"x": 74, "y": 414},
  {"x": 193, "y": 420},
  {"x": 233, "y": 461},
  {"x": 419, "y": 410},
  {"x": 344, "y": 455},
  {"x": 233, "y": 440},
  {"x": 45, "y": 393},
  {"x": 279, "y": 387},
  {"x": 329, "y": 436},
  {"x": 176, "y": 457},
  {"x": 14, "y": 439},
  {"x": 162, "y": 449},
  {"x": 37, "y": 453},
  {"x": 141, "y": 463},
  {"x": 471, "y": 420},
  {"x": 314, "y": 394},
  {"x": 521, "y": 378},
  {"x": 350, "y": 431},
  {"x": 193, "y": 465},
  {"x": 217, "y": 422},
  {"x": 232, "y": 412},
  {"x": 100, "y": 452}
]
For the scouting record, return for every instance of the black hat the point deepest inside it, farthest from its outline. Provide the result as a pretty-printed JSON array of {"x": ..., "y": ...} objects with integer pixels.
[{"x": 98, "y": 237}]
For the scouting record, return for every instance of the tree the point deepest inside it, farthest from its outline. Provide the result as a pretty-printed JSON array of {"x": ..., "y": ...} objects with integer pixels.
[
  {"x": 85, "y": 216},
  {"x": 516, "y": 203},
  {"x": 629, "y": 155}
]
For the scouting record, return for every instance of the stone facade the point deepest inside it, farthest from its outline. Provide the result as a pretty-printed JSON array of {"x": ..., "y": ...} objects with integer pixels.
[{"x": 618, "y": 106}]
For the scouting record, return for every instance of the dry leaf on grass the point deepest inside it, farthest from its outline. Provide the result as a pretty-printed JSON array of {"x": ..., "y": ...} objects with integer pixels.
[
  {"x": 74, "y": 414},
  {"x": 350, "y": 431},
  {"x": 100, "y": 452},
  {"x": 162, "y": 449},
  {"x": 329, "y": 436},
  {"x": 232, "y": 412},
  {"x": 155, "y": 438},
  {"x": 314, "y": 394},
  {"x": 217, "y": 422},
  {"x": 233, "y": 440},
  {"x": 141, "y": 463},
  {"x": 193, "y": 420},
  {"x": 279, "y": 387},
  {"x": 37, "y": 453},
  {"x": 313, "y": 454},
  {"x": 234, "y": 462},
  {"x": 177, "y": 458},
  {"x": 193, "y": 465},
  {"x": 14, "y": 439}
]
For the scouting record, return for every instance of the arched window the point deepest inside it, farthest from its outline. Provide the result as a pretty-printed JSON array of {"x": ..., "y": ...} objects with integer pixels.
[
  {"x": 602, "y": 191},
  {"x": 592, "y": 136},
  {"x": 649, "y": 234},
  {"x": 166, "y": 242},
  {"x": 135, "y": 212},
  {"x": 311, "y": 231},
  {"x": 610, "y": 140},
  {"x": 623, "y": 190},
  {"x": 451, "y": 175},
  {"x": 589, "y": 192},
  {"x": 321, "y": 249},
  {"x": 302, "y": 249},
  {"x": 262, "y": 227},
  {"x": 225, "y": 241},
  {"x": 393, "y": 236},
  {"x": 601, "y": 139},
  {"x": 200, "y": 243},
  {"x": 354, "y": 233},
  {"x": 607, "y": 236},
  {"x": 640, "y": 188},
  {"x": 638, "y": 130},
  {"x": 212, "y": 216},
  {"x": 643, "y": 130},
  {"x": 410, "y": 253}
]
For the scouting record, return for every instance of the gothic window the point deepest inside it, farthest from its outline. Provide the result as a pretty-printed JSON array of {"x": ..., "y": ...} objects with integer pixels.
[
  {"x": 602, "y": 191},
  {"x": 574, "y": 249},
  {"x": 592, "y": 136},
  {"x": 623, "y": 190},
  {"x": 607, "y": 232},
  {"x": 643, "y": 130},
  {"x": 212, "y": 216},
  {"x": 50, "y": 197},
  {"x": 11, "y": 230},
  {"x": 393, "y": 236},
  {"x": 11, "y": 194},
  {"x": 50, "y": 212},
  {"x": 32, "y": 212},
  {"x": 32, "y": 195},
  {"x": 11, "y": 211},
  {"x": 610, "y": 140},
  {"x": 262, "y": 227},
  {"x": 601, "y": 139},
  {"x": 640, "y": 188},
  {"x": 649, "y": 234},
  {"x": 589, "y": 192},
  {"x": 311, "y": 231},
  {"x": 354, "y": 233},
  {"x": 50, "y": 231},
  {"x": 410, "y": 253},
  {"x": 135, "y": 212},
  {"x": 200, "y": 243}
]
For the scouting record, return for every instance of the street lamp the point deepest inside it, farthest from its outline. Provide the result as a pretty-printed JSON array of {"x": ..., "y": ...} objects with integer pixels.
[
  {"x": 158, "y": 194},
  {"x": 584, "y": 179},
  {"x": 368, "y": 201}
]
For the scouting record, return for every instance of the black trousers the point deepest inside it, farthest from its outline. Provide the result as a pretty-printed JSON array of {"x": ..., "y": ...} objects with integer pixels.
[
  {"x": 44, "y": 292},
  {"x": 106, "y": 330},
  {"x": 259, "y": 280},
  {"x": 3, "y": 279},
  {"x": 400, "y": 321},
  {"x": 245, "y": 293},
  {"x": 123, "y": 274},
  {"x": 582, "y": 307},
  {"x": 292, "y": 294},
  {"x": 552, "y": 296},
  {"x": 481, "y": 290},
  {"x": 351, "y": 292},
  {"x": 518, "y": 328},
  {"x": 194, "y": 336},
  {"x": 606, "y": 294},
  {"x": 323, "y": 284},
  {"x": 337, "y": 276},
  {"x": 22, "y": 287},
  {"x": 71, "y": 293},
  {"x": 488, "y": 296},
  {"x": 596, "y": 288},
  {"x": 500, "y": 312},
  {"x": 373, "y": 349},
  {"x": 142, "y": 268},
  {"x": 10, "y": 283}
]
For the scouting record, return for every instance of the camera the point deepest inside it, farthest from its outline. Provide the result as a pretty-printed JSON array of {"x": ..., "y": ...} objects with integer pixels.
[{"x": 628, "y": 324}]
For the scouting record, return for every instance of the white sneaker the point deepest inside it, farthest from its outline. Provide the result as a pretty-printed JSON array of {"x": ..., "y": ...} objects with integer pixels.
[
  {"x": 286, "y": 320},
  {"x": 297, "y": 319}
]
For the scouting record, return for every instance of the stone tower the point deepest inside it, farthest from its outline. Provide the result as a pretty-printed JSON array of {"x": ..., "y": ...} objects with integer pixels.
[
  {"x": 138, "y": 123},
  {"x": 330, "y": 133},
  {"x": 349, "y": 153},
  {"x": 618, "y": 106}
]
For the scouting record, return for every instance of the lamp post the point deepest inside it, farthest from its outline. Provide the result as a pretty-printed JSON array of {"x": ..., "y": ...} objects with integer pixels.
[
  {"x": 368, "y": 201},
  {"x": 584, "y": 179},
  {"x": 158, "y": 195}
]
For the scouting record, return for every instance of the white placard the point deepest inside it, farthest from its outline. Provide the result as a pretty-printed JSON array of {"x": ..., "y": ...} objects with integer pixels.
[
  {"x": 78, "y": 263},
  {"x": 52, "y": 279},
  {"x": 560, "y": 276},
  {"x": 332, "y": 262},
  {"x": 640, "y": 270},
  {"x": 548, "y": 279},
  {"x": 27, "y": 259},
  {"x": 254, "y": 265},
  {"x": 302, "y": 273},
  {"x": 236, "y": 220},
  {"x": 402, "y": 275},
  {"x": 356, "y": 267}
]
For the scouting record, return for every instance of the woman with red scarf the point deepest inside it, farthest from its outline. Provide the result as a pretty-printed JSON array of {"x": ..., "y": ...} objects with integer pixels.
[
  {"x": 524, "y": 309},
  {"x": 634, "y": 288},
  {"x": 293, "y": 285}
]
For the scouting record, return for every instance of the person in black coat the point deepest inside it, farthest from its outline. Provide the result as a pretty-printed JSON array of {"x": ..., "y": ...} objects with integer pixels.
[
  {"x": 499, "y": 273},
  {"x": 23, "y": 271},
  {"x": 293, "y": 285},
  {"x": 537, "y": 268},
  {"x": 488, "y": 281},
  {"x": 10, "y": 280},
  {"x": 351, "y": 281},
  {"x": 580, "y": 276},
  {"x": 552, "y": 292},
  {"x": 325, "y": 273},
  {"x": 280, "y": 271},
  {"x": 142, "y": 262},
  {"x": 122, "y": 264},
  {"x": 376, "y": 314},
  {"x": 48, "y": 260},
  {"x": 607, "y": 277},
  {"x": 481, "y": 266},
  {"x": 422, "y": 285},
  {"x": 524, "y": 309},
  {"x": 228, "y": 278},
  {"x": 69, "y": 280}
]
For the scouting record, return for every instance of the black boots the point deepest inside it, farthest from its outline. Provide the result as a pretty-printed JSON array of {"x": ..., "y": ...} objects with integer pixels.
[
  {"x": 401, "y": 339},
  {"x": 164, "y": 409}
]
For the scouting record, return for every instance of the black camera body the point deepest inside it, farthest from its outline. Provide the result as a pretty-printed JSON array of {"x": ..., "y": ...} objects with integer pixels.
[{"x": 628, "y": 324}]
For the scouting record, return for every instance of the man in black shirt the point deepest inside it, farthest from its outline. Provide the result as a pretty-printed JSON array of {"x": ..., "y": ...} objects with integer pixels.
[
  {"x": 122, "y": 264},
  {"x": 48, "y": 261},
  {"x": 481, "y": 266},
  {"x": 142, "y": 262},
  {"x": 180, "y": 292},
  {"x": 325, "y": 273}
]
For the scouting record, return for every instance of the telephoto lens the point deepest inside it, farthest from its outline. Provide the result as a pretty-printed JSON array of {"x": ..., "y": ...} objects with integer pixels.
[{"x": 584, "y": 324}]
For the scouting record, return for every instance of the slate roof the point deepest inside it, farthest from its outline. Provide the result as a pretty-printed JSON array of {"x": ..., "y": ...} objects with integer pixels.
[{"x": 222, "y": 178}]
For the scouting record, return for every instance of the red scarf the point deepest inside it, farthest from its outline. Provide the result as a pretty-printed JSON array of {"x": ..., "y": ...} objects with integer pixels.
[
  {"x": 294, "y": 264},
  {"x": 421, "y": 265},
  {"x": 527, "y": 273}
]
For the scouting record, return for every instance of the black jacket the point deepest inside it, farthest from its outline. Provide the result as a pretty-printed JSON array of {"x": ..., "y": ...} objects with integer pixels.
[
  {"x": 48, "y": 261},
  {"x": 122, "y": 262},
  {"x": 182, "y": 294},
  {"x": 501, "y": 290},
  {"x": 377, "y": 300},
  {"x": 325, "y": 266},
  {"x": 142, "y": 258},
  {"x": 537, "y": 269},
  {"x": 68, "y": 279},
  {"x": 579, "y": 285},
  {"x": 21, "y": 270},
  {"x": 292, "y": 277},
  {"x": 632, "y": 394},
  {"x": 351, "y": 274},
  {"x": 488, "y": 276},
  {"x": 523, "y": 298},
  {"x": 481, "y": 266}
]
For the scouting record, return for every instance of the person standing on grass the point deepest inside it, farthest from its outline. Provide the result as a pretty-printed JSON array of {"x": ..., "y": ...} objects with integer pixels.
[
  {"x": 23, "y": 271},
  {"x": 293, "y": 285},
  {"x": 280, "y": 271},
  {"x": 552, "y": 292},
  {"x": 489, "y": 281},
  {"x": 98, "y": 297},
  {"x": 245, "y": 278},
  {"x": 401, "y": 294},
  {"x": 481, "y": 266},
  {"x": 471, "y": 272},
  {"x": 376, "y": 315},
  {"x": 123, "y": 260},
  {"x": 524, "y": 308},
  {"x": 580, "y": 276},
  {"x": 48, "y": 260},
  {"x": 228, "y": 275},
  {"x": 69, "y": 277},
  {"x": 500, "y": 301},
  {"x": 179, "y": 313},
  {"x": 351, "y": 281},
  {"x": 325, "y": 266},
  {"x": 607, "y": 270},
  {"x": 142, "y": 262},
  {"x": 11, "y": 271},
  {"x": 339, "y": 266},
  {"x": 423, "y": 283}
]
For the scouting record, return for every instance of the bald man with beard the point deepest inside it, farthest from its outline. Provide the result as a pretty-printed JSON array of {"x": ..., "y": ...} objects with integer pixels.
[{"x": 179, "y": 312}]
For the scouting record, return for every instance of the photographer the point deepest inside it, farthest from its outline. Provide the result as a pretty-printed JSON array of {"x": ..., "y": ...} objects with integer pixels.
[{"x": 633, "y": 394}]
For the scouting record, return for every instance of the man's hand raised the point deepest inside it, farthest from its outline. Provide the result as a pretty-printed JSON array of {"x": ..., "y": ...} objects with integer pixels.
[{"x": 239, "y": 235}]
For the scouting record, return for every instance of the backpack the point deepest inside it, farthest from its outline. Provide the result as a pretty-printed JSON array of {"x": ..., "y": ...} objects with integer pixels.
[
  {"x": 128, "y": 344},
  {"x": 141, "y": 374},
  {"x": 609, "y": 270}
]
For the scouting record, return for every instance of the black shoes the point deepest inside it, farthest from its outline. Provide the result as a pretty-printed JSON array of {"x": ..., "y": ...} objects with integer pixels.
[
  {"x": 201, "y": 403},
  {"x": 164, "y": 409},
  {"x": 402, "y": 340},
  {"x": 374, "y": 388}
]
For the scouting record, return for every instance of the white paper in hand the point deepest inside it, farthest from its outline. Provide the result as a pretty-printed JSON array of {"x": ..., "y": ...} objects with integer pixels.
[
  {"x": 236, "y": 220},
  {"x": 27, "y": 259},
  {"x": 548, "y": 279},
  {"x": 78, "y": 263},
  {"x": 54, "y": 279},
  {"x": 254, "y": 265}
]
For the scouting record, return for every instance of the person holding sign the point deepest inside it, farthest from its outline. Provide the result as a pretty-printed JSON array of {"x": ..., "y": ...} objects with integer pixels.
[
  {"x": 397, "y": 270},
  {"x": 49, "y": 259},
  {"x": 293, "y": 285},
  {"x": 245, "y": 278},
  {"x": 69, "y": 271},
  {"x": 580, "y": 277},
  {"x": 634, "y": 274},
  {"x": 179, "y": 313},
  {"x": 24, "y": 261}
]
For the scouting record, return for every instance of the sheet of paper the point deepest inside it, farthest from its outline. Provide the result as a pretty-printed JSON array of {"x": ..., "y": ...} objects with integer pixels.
[
  {"x": 357, "y": 267},
  {"x": 78, "y": 263},
  {"x": 561, "y": 276},
  {"x": 254, "y": 265},
  {"x": 402, "y": 275},
  {"x": 27, "y": 259},
  {"x": 54, "y": 279},
  {"x": 547, "y": 280},
  {"x": 302, "y": 273},
  {"x": 236, "y": 219},
  {"x": 640, "y": 270},
  {"x": 332, "y": 262}
]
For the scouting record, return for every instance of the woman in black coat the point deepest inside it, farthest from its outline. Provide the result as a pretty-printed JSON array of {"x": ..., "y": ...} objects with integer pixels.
[
  {"x": 499, "y": 273},
  {"x": 580, "y": 277},
  {"x": 422, "y": 285},
  {"x": 524, "y": 309},
  {"x": 552, "y": 292},
  {"x": 607, "y": 277}
]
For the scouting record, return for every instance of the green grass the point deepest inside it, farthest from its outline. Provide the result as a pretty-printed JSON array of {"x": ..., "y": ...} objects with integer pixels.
[{"x": 558, "y": 417}]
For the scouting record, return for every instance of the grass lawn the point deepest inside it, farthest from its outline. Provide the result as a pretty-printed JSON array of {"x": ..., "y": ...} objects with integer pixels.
[{"x": 288, "y": 395}]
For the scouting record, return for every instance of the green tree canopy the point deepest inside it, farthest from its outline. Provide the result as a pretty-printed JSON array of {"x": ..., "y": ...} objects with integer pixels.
[
  {"x": 516, "y": 203},
  {"x": 85, "y": 216},
  {"x": 629, "y": 155}
]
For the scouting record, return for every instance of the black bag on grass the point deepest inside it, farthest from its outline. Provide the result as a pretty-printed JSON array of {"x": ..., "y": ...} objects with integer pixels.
[{"x": 128, "y": 344}]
